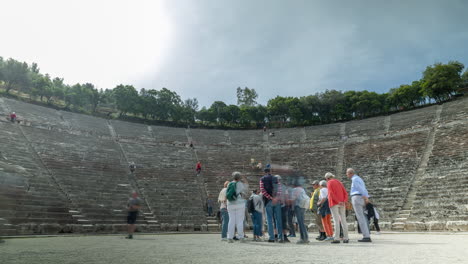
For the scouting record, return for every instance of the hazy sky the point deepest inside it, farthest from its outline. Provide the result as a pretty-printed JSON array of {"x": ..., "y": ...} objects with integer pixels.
[{"x": 206, "y": 49}]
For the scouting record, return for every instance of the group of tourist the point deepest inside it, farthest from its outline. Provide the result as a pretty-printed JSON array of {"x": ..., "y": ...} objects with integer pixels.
[{"x": 281, "y": 203}]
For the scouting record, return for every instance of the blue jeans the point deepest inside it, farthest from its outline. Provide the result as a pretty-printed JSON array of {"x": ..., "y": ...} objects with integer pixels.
[
  {"x": 300, "y": 222},
  {"x": 257, "y": 223},
  {"x": 225, "y": 222},
  {"x": 210, "y": 210},
  {"x": 270, "y": 208}
]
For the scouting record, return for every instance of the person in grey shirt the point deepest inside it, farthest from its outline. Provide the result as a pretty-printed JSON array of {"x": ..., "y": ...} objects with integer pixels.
[
  {"x": 133, "y": 206},
  {"x": 359, "y": 199}
]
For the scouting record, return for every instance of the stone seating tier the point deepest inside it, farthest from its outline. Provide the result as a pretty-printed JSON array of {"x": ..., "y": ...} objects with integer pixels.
[{"x": 76, "y": 154}]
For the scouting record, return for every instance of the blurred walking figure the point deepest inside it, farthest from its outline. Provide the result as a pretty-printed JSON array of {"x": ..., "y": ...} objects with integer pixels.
[
  {"x": 373, "y": 213},
  {"x": 359, "y": 199},
  {"x": 337, "y": 198},
  {"x": 324, "y": 210},
  {"x": 285, "y": 205},
  {"x": 235, "y": 193},
  {"x": 300, "y": 202},
  {"x": 133, "y": 206},
  {"x": 222, "y": 200}
]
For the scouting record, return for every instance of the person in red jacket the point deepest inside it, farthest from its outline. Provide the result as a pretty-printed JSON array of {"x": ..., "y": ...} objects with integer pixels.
[
  {"x": 13, "y": 117},
  {"x": 198, "y": 168},
  {"x": 337, "y": 198}
]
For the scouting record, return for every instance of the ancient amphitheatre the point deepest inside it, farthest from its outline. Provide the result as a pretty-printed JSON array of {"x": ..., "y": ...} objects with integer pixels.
[{"x": 65, "y": 173}]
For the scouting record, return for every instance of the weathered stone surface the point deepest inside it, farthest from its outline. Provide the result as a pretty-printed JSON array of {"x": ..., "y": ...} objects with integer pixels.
[
  {"x": 435, "y": 226},
  {"x": 457, "y": 225},
  {"x": 415, "y": 226}
]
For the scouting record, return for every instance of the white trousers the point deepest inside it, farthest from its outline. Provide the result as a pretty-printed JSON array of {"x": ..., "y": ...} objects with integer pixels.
[
  {"x": 339, "y": 215},
  {"x": 236, "y": 220}
]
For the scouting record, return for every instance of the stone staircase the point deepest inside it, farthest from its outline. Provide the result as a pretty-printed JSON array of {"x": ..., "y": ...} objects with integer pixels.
[
  {"x": 212, "y": 224},
  {"x": 405, "y": 212}
]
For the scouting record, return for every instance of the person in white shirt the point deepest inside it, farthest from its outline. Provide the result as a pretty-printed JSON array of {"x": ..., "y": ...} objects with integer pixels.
[{"x": 236, "y": 208}]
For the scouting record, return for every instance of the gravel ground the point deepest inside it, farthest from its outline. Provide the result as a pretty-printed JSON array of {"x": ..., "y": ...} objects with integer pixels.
[{"x": 207, "y": 248}]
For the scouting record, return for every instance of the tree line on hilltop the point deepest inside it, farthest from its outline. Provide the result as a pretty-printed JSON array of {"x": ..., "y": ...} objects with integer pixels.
[{"x": 440, "y": 82}]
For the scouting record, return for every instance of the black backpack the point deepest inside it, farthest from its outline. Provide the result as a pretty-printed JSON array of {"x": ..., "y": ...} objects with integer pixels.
[{"x": 251, "y": 205}]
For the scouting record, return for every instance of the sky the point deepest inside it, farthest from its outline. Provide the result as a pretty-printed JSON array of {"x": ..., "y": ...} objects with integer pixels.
[{"x": 205, "y": 49}]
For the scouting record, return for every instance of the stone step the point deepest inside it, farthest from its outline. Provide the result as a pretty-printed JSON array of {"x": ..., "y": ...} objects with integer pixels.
[
  {"x": 213, "y": 227},
  {"x": 401, "y": 219},
  {"x": 403, "y": 215},
  {"x": 405, "y": 211},
  {"x": 8, "y": 232},
  {"x": 398, "y": 226}
]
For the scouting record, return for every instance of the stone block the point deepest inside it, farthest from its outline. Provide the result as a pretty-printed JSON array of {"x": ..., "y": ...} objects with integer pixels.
[
  {"x": 168, "y": 227},
  {"x": 119, "y": 228},
  {"x": 457, "y": 225},
  {"x": 49, "y": 228},
  {"x": 203, "y": 228},
  {"x": 187, "y": 227},
  {"x": 385, "y": 225},
  {"x": 415, "y": 226},
  {"x": 435, "y": 226}
]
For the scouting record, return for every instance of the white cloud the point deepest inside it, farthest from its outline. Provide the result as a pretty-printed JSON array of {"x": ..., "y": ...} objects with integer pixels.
[{"x": 103, "y": 42}]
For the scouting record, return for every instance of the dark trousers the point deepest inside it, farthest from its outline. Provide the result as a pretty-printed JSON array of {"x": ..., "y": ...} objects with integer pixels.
[{"x": 292, "y": 230}]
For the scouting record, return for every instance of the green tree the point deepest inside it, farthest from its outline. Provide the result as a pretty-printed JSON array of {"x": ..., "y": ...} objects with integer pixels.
[
  {"x": 246, "y": 97},
  {"x": 15, "y": 75},
  {"x": 440, "y": 81},
  {"x": 406, "y": 96},
  {"x": 126, "y": 98}
]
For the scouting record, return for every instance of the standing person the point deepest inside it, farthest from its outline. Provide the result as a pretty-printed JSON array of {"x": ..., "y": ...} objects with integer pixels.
[
  {"x": 257, "y": 215},
  {"x": 337, "y": 198},
  {"x": 314, "y": 209},
  {"x": 132, "y": 167},
  {"x": 324, "y": 210},
  {"x": 13, "y": 117},
  {"x": 236, "y": 206},
  {"x": 209, "y": 205},
  {"x": 359, "y": 199},
  {"x": 133, "y": 206},
  {"x": 290, "y": 213},
  {"x": 198, "y": 168},
  {"x": 299, "y": 197},
  {"x": 373, "y": 213},
  {"x": 222, "y": 200},
  {"x": 271, "y": 191},
  {"x": 285, "y": 205}
]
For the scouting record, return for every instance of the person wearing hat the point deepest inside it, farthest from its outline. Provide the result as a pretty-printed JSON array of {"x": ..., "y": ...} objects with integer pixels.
[
  {"x": 271, "y": 191},
  {"x": 314, "y": 198},
  {"x": 337, "y": 198}
]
